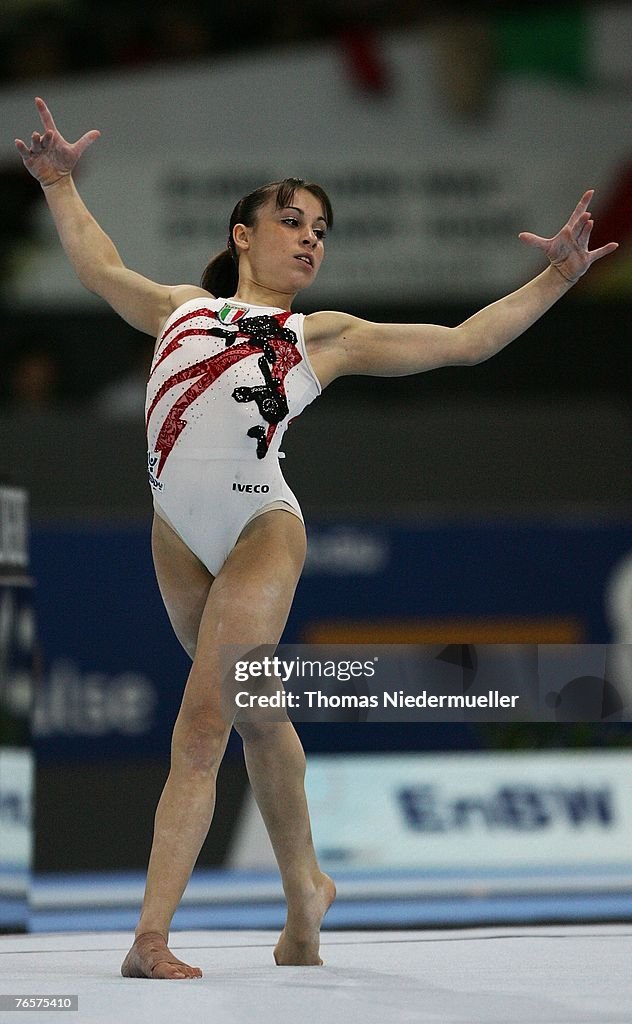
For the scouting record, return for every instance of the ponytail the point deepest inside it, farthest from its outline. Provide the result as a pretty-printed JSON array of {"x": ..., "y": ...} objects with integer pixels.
[{"x": 221, "y": 276}]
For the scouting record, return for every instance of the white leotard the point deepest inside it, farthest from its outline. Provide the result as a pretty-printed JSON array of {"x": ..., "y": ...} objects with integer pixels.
[{"x": 226, "y": 379}]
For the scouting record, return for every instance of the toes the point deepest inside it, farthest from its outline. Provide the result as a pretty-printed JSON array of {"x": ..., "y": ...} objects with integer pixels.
[
  {"x": 171, "y": 969},
  {"x": 146, "y": 960}
]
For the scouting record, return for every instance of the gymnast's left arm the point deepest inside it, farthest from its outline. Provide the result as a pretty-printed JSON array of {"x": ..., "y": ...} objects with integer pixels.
[{"x": 345, "y": 344}]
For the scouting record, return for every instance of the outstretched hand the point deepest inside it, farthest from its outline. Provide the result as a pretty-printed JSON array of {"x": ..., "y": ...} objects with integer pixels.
[
  {"x": 568, "y": 250},
  {"x": 50, "y": 157}
]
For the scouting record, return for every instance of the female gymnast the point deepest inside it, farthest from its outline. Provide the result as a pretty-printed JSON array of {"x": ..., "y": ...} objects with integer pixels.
[{"x": 231, "y": 366}]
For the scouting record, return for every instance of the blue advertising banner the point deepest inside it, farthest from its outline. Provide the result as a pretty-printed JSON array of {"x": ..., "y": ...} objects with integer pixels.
[{"x": 113, "y": 672}]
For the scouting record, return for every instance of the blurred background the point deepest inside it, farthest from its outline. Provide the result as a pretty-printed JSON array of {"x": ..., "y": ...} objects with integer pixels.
[{"x": 488, "y": 504}]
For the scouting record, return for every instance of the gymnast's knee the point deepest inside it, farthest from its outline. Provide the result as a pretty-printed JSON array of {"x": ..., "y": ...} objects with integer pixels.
[
  {"x": 259, "y": 729},
  {"x": 199, "y": 741}
]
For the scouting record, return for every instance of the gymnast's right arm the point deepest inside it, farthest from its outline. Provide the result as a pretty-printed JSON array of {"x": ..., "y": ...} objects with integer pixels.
[{"x": 142, "y": 303}]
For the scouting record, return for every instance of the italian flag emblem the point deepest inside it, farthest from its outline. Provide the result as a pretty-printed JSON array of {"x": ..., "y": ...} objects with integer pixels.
[{"x": 230, "y": 314}]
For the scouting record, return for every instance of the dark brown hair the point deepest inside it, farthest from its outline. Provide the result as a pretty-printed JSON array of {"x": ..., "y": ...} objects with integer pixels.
[{"x": 221, "y": 275}]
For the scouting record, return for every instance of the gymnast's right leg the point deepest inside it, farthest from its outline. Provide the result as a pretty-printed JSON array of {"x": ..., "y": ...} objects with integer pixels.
[{"x": 184, "y": 584}]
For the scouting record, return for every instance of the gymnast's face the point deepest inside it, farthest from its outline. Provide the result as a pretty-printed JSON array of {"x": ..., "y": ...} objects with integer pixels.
[{"x": 285, "y": 247}]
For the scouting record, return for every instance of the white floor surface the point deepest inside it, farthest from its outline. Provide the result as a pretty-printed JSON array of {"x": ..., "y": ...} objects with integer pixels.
[{"x": 568, "y": 974}]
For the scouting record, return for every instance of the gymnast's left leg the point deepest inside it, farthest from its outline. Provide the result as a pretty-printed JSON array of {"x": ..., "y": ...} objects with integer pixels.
[{"x": 276, "y": 768}]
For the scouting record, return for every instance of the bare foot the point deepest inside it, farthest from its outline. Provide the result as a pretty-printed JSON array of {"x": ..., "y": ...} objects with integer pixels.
[
  {"x": 150, "y": 957},
  {"x": 299, "y": 941}
]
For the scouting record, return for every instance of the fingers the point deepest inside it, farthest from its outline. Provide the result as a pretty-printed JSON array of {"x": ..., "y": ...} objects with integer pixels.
[
  {"x": 585, "y": 227},
  {"x": 582, "y": 206},
  {"x": 87, "y": 140},
  {"x": 536, "y": 240},
  {"x": 40, "y": 142},
  {"x": 51, "y": 127},
  {"x": 605, "y": 250},
  {"x": 45, "y": 114},
  {"x": 576, "y": 223}
]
